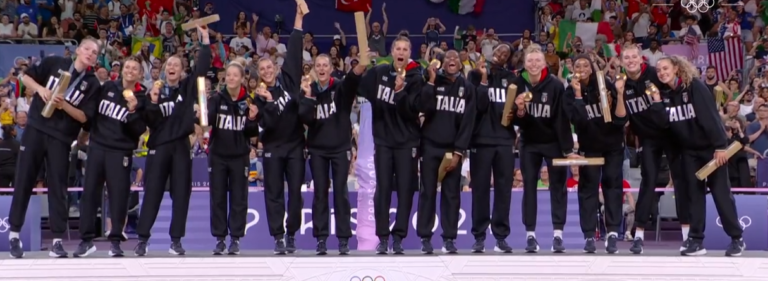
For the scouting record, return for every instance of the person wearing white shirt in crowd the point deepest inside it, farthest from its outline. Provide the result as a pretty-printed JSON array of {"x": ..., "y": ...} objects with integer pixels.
[
  {"x": 6, "y": 28},
  {"x": 23, "y": 102},
  {"x": 488, "y": 42},
  {"x": 653, "y": 53},
  {"x": 279, "y": 55},
  {"x": 139, "y": 27},
  {"x": 114, "y": 8},
  {"x": 641, "y": 21},
  {"x": 732, "y": 26},
  {"x": 581, "y": 11},
  {"x": 163, "y": 18},
  {"x": 26, "y": 28},
  {"x": 241, "y": 40},
  {"x": 610, "y": 9},
  {"x": 67, "y": 10}
]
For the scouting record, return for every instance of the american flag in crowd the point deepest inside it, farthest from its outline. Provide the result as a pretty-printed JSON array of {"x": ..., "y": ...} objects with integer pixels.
[
  {"x": 691, "y": 39},
  {"x": 726, "y": 55}
]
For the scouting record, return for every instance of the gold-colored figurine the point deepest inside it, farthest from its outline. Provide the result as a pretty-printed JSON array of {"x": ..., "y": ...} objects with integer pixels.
[
  {"x": 621, "y": 76},
  {"x": 401, "y": 72},
  {"x": 202, "y": 101},
  {"x": 605, "y": 103},
  {"x": 719, "y": 97},
  {"x": 58, "y": 90}
]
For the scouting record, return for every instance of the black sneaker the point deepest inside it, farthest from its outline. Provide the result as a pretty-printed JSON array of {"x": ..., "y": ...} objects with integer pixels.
[
  {"x": 220, "y": 247},
  {"x": 57, "y": 250},
  {"x": 426, "y": 246},
  {"x": 16, "y": 248},
  {"x": 589, "y": 246},
  {"x": 234, "y": 247},
  {"x": 449, "y": 246},
  {"x": 176, "y": 249},
  {"x": 84, "y": 249},
  {"x": 695, "y": 248},
  {"x": 736, "y": 248},
  {"x": 684, "y": 245},
  {"x": 637, "y": 246},
  {"x": 479, "y": 246},
  {"x": 280, "y": 246},
  {"x": 141, "y": 248},
  {"x": 531, "y": 245},
  {"x": 397, "y": 246},
  {"x": 611, "y": 246},
  {"x": 344, "y": 246},
  {"x": 557, "y": 245},
  {"x": 115, "y": 250},
  {"x": 502, "y": 247},
  {"x": 383, "y": 247},
  {"x": 290, "y": 244},
  {"x": 321, "y": 249}
]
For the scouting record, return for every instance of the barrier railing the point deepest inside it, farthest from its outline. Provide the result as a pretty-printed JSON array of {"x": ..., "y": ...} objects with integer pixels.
[
  {"x": 258, "y": 189},
  {"x": 354, "y": 36},
  {"x": 55, "y": 41}
]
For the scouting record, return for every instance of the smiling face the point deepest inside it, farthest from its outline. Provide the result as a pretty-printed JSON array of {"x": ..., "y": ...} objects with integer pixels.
[
  {"x": 401, "y": 51},
  {"x": 234, "y": 76},
  {"x": 631, "y": 60},
  {"x": 173, "y": 69},
  {"x": 582, "y": 67},
  {"x": 132, "y": 70},
  {"x": 451, "y": 62},
  {"x": 500, "y": 54},
  {"x": 323, "y": 68},
  {"x": 666, "y": 71},
  {"x": 534, "y": 63},
  {"x": 267, "y": 71}
]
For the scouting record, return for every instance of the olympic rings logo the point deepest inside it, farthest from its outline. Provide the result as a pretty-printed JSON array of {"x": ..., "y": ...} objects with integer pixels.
[
  {"x": 744, "y": 221},
  {"x": 367, "y": 278},
  {"x": 4, "y": 226},
  {"x": 701, "y": 6}
]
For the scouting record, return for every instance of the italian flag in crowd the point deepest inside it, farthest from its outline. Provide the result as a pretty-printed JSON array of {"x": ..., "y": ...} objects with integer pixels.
[
  {"x": 18, "y": 88},
  {"x": 463, "y": 7},
  {"x": 587, "y": 31}
]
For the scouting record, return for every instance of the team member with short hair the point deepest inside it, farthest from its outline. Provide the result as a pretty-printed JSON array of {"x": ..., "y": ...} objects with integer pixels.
[
  {"x": 47, "y": 140},
  {"x": 448, "y": 103}
]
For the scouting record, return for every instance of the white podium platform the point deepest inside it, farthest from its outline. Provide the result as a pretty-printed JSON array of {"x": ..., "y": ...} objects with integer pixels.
[{"x": 359, "y": 266}]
